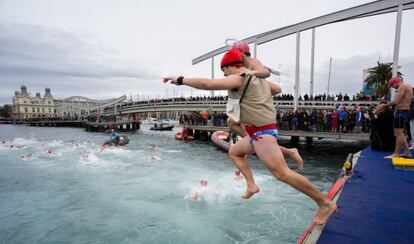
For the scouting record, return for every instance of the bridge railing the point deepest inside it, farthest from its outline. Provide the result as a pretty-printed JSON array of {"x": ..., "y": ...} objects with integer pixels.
[{"x": 283, "y": 104}]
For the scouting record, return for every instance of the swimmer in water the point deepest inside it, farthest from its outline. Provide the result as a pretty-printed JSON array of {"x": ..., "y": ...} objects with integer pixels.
[
  {"x": 155, "y": 157},
  {"x": 85, "y": 156},
  {"x": 104, "y": 147},
  {"x": 197, "y": 196},
  {"x": 50, "y": 153},
  {"x": 26, "y": 157}
]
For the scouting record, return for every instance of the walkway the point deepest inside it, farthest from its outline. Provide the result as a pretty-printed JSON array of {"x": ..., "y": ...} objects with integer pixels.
[
  {"x": 298, "y": 133},
  {"x": 375, "y": 206}
]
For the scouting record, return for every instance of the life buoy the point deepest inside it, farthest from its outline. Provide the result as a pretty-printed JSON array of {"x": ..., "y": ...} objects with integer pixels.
[
  {"x": 179, "y": 136},
  {"x": 218, "y": 138}
]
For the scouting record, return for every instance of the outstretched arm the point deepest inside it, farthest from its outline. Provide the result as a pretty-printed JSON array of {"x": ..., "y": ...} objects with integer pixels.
[{"x": 229, "y": 82}]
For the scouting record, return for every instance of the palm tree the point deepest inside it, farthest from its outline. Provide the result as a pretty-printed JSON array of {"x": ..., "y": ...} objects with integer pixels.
[{"x": 379, "y": 76}]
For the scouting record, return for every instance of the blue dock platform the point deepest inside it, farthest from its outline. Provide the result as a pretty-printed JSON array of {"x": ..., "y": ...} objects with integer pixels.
[{"x": 376, "y": 204}]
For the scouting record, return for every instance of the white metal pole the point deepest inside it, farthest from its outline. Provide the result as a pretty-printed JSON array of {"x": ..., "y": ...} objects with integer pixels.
[
  {"x": 280, "y": 68},
  {"x": 255, "y": 49},
  {"x": 312, "y": 76},
  {"x": 396, "y": 46},
  {"x": 329, "y": 76},
  {"x": 212, "y": 73},
  {"x": 296, "y": 98}
]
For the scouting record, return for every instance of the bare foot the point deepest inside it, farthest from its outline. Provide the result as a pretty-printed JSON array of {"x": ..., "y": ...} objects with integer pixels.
[
  {"x": 392, "y": 156},
  {"x": 250, "y": 191},
  {"x": 295, "y": 156},
  {"x": 324, "y": 213}
]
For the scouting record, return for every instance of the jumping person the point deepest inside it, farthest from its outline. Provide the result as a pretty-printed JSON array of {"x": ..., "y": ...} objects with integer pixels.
[
  {"x": 253, "y": 66},
  {"x": 258, "y": 114},
  {"x": 402, "y": 102}
]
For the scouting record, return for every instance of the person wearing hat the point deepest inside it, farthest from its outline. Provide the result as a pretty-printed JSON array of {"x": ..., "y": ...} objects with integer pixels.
[
  {"x": 258, "y": 114},
  {"x": 402, "y": 103},
  {"x": 253, "y": 66}
]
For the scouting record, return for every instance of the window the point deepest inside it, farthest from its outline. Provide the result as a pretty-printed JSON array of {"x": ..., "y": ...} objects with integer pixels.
[
  {"x": 25, "y": 109},
  {"x": 33, "y": 110},
  {"x": 50, "y": 110},
  {"x": 49, "y": 102},
  {"x": 38, "y": 110},
  {"x": 43, "y": 110}
]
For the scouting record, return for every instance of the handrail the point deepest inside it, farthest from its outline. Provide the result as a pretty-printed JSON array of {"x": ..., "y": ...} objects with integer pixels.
[{"x": 278, "y": 103}]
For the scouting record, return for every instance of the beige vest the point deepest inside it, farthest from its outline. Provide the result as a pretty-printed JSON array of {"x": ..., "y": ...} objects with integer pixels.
[{"x": 257, "y": 106}]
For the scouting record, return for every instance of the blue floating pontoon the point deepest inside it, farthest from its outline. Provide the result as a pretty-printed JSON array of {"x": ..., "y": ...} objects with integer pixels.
[{"x": 376, "y": 205}]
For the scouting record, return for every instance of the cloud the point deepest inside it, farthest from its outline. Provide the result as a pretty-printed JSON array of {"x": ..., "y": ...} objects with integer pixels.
[
  {"x": 39, "y": 56},
  {"x": 78, "y": 64},
  {"x": 346, "y": 74}
]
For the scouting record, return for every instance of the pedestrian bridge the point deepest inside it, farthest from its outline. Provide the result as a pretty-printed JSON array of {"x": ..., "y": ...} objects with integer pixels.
[{"x": 220, "y": 106}]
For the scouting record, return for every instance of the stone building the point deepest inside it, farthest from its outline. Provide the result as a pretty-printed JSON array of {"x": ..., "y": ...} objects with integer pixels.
[{"x": 26, "y": 106}]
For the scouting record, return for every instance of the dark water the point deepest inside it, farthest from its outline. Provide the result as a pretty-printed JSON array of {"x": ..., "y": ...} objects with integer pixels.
[{"x": 142, "y": 194}]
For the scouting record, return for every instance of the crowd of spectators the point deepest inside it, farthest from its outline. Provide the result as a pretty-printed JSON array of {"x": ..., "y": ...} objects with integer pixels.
[
  {"x": 280, "y": 97},
  {"x": 341, "y": 120},
  {"x": 204, "y": 118},
  {"x": 324, "y": 97}
]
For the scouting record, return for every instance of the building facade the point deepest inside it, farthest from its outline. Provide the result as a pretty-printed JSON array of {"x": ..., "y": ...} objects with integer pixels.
[
  {"x": 26, "y": 106},
  {"x": 367, "y": 89}
]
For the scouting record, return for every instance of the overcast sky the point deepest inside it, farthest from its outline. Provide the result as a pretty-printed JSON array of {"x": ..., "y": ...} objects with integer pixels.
[{"x": 108, "y": 48}]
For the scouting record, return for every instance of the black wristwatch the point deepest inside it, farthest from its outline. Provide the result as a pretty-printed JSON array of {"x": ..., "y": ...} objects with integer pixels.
[{"x": 180, "y": 80}]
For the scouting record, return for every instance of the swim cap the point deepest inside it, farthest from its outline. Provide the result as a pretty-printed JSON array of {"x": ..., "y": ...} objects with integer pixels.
[
  {"x": 203, "y": 182},
  {"x": 231, "y": 58},
  {"x": 242, "y": 46},
  {"x": 394, "y": 80}
]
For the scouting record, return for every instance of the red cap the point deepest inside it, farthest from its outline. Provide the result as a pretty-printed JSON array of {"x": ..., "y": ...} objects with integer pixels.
[
  {"x": 232, "y": 57},
  {"x": 394, "y": 80},
  {"x": 203, "y": 182},
  {"x": 242, "y": 46}
]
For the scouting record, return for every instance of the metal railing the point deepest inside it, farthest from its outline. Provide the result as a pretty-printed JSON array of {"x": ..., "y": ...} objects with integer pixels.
[{"x": 220, "y": 105}]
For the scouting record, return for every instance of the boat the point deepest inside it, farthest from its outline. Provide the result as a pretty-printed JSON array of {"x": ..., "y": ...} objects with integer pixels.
[
  {"x": 162, "y": 126},
  {"x": 219, "y": 138}
]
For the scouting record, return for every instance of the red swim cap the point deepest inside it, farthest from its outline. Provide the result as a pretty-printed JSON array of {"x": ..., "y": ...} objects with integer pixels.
[
  {"x": 203, "y": 182},
  {"x": 242, "y": 46},
  {"x": 394, "y": 80},
  {"x": 233, "y": 57}
]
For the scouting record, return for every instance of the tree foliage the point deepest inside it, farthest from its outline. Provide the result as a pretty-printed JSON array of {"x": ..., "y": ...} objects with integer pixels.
[
  {"x": 379, "y": 76},
  {"x": 5, "y": 111}
]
